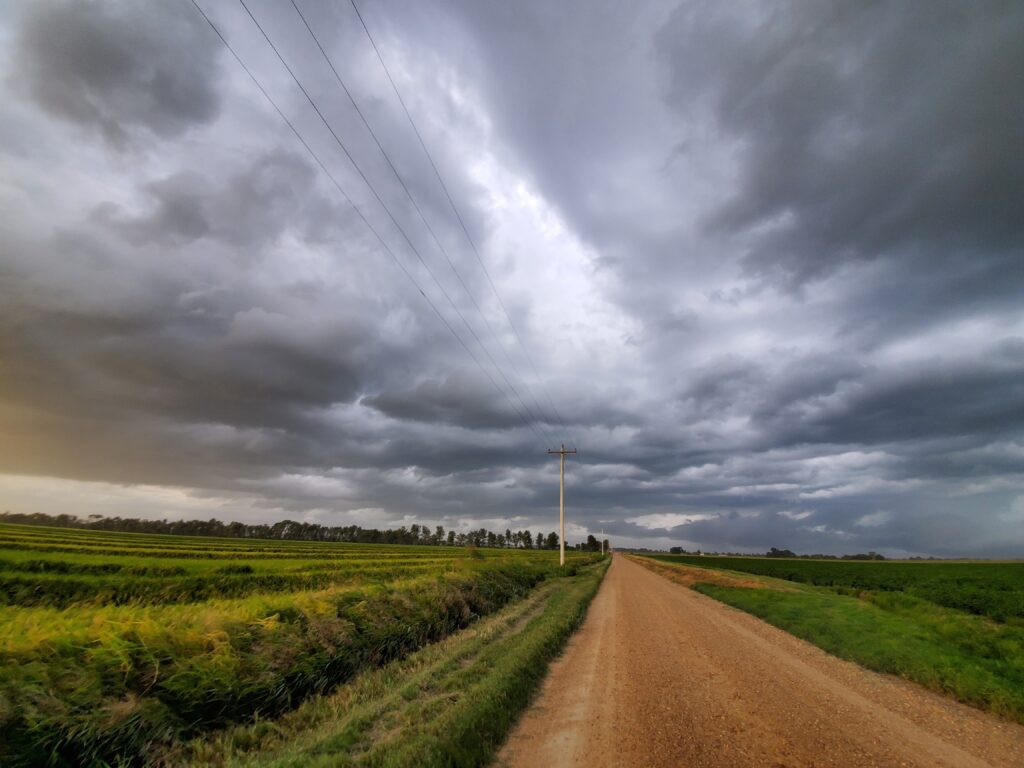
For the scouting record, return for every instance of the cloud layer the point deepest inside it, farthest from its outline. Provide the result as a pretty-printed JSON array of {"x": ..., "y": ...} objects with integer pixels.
[{"x": 765, "y": 263}]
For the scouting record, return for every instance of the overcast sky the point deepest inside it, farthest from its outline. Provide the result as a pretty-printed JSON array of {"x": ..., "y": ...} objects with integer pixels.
[{"x": 766, "y": 261}]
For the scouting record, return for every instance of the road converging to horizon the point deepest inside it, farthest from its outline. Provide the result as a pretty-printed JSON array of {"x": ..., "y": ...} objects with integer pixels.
[{"x": 659, "y": 675}]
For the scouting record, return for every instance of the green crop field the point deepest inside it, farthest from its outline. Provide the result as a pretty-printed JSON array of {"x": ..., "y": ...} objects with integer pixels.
[
  {"x": 121, "y": 649},
  {"x": 993, "y": 589},
  {"x": 956, "y": 627}
]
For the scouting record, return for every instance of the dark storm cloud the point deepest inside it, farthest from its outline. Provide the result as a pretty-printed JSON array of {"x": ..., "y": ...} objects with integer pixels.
[
  {"x": 832, "y": 399},
  {"x": 248, "y": 209},
  {"x": 766, "y": 258},
  {"x": 459, "y": 399},
  {"x": 863, "y": 129},
  {"x": 152, "y": 333},
  {"x": 985, "y": 397},
  {"x": 117, "y": 67}
]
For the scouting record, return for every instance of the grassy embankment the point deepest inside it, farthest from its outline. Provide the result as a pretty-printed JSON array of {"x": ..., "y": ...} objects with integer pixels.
[
  {"x": 117, "y": 648},
  {"x": 450, "y": 704},
  {"x": 891, "y": 617}
]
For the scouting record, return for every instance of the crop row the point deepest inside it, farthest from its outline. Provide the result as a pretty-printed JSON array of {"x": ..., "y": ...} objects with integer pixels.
[
  {"x": 995, "y": 590},
  {"x": 37, "y": 531},
  {"x": 61, "y": 591},
  {"x": 226, "y": 546},
  {"x": 123, "y": 681},
  {"x": 134, "y": 566},
  {"x": 326, "y": 553},
  {"x": 30, "y": 534}
]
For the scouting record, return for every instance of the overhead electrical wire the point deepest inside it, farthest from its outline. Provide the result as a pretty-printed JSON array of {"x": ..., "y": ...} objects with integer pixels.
[
  {"x": 387, "y": 249},
  {"x": 412, "y": 246},
  {"x": 458, "y": 216},
  {"x": 437, "y": 242}
]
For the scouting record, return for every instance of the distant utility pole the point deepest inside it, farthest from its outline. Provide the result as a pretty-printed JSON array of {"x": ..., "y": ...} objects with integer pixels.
[
  {"x": 602, "y": 542},
  {"x": 561, "y": 499}
]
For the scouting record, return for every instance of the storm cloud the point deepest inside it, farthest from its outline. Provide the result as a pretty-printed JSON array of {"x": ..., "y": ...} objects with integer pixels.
[
  {"x": 116, "y": 67},
  {"x": 765, "y": 263}
]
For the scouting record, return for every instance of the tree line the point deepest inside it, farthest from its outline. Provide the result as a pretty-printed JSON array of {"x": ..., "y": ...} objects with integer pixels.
[
  {"x": 775, "y": 552},
  {"x": 297, "y": 531}
]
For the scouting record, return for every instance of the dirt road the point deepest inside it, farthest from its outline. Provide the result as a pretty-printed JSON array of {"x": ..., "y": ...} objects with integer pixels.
[{"x": 660, "y": 675}]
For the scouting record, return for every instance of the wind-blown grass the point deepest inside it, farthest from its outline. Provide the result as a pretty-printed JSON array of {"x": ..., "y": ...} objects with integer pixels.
[
  {"x": 104, "y": 683},
  {"x": 450, "y": 704}
]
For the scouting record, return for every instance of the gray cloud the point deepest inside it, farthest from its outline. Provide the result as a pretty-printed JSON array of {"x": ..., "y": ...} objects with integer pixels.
[
  {"x": 765, "y": 260},
  {"x": 459, "y": 399},
  {"x": 115, "y": 67},
  {"x": 250, "y": 208},
  {"x": 922, "y": 402},
  {"x": 863, "y": 130}
]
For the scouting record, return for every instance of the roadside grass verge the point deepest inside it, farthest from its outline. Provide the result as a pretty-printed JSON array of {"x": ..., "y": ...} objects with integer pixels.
[
  {"x": 450, "y": 704},
  {"x": 969, "y": 657}
]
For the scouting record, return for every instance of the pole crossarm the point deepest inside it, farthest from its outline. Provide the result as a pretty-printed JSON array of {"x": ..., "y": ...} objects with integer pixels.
[{"x": 561, "y": 454}]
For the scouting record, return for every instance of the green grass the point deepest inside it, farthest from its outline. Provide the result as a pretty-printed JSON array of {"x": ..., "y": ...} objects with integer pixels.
[
  {"x": 124, "y": 646},
  {"x": 450, "y": 704},
  {"x": 992, "y": 589},
  {"x": 970, "y": 657}
]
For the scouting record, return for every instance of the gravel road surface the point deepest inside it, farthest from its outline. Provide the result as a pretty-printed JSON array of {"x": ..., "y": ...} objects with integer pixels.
[{"x": 660, "y": 675}]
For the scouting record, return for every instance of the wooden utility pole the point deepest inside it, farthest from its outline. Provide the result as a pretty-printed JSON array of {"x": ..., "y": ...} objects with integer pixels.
[{"x": 561, "y": 500}]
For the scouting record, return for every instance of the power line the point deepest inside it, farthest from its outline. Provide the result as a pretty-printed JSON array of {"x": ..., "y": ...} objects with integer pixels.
[
  {"x": 423, "y": 218},
  {"x": 362, "y": 216},
  {"x": 376, "y": 195},
  {"x": 458, "y": 216}
]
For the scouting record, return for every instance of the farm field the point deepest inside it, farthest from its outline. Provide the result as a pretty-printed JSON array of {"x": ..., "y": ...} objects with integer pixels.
[
  {"x": 955, "y": 627},
  {"x": 992, "y": 589},
  {"x": 121, "y": 648}
]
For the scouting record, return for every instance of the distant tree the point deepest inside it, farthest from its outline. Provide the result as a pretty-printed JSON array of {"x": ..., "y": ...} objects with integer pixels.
[
  {"x": 868, "y": 556},
  {"x": 552, "y": 541},
  {"x": 675, "y": 550},
  {"x": 539, "y": 544},
  {"x": 451, "y": 538},
  {"x": 593, "y": 545}
]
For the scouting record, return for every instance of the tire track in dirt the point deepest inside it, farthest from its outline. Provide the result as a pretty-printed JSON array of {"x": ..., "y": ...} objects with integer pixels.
[{"x": 659, "y": 675}]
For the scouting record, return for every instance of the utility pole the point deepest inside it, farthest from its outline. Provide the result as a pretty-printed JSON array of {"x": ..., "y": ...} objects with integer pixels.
[
  {"x": 561, "y": 499},
  {"x": 602, "y": 542}
]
